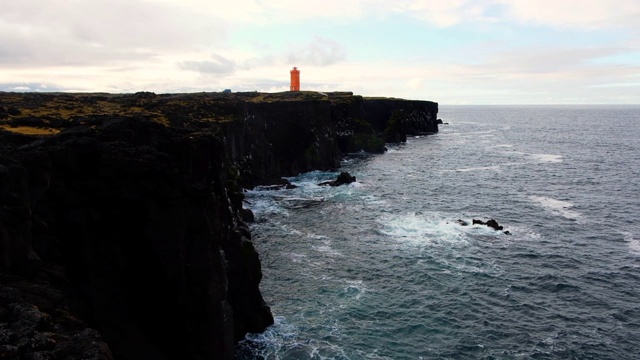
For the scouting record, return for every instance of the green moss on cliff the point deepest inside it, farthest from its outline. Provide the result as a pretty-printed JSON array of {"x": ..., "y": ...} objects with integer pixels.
[
  {"x": 369, "y": 143},
  {"x": 395, "y": 130},
  {"x": 310, "y": 154}
]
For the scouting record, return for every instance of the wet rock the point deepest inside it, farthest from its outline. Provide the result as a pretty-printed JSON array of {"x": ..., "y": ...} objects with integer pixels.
[
  {"x": 275, "y": 187},
  {"x": 490, "y": 223},
  {"x": 462, "y": 222},
  {"x": 342, "y": 179},
  {"x": 247, "y": 215},
  {"x": 494, "y": 224}
]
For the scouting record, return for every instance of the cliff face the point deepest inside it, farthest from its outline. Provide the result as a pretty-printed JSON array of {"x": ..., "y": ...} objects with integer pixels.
[
  {"x": 307, "y": 131},
  {"x": 281, "y": 138},
  {"x": 397, "y": 118},
  {"x": 143, "y": 223},
  {"x": 368, "y": 123},
  {"x": 119, "y": 214}
]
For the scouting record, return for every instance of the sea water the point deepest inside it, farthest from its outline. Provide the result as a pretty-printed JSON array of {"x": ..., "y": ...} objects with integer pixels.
[{"x": 382, "y": 269}]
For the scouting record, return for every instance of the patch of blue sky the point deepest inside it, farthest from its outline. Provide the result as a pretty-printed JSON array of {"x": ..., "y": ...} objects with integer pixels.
[
  {"x": 399, "y": 37},
  {"x": 256, "y": 37},
  {"x": 29, "y": 87},
  {"x": 630, "y": 57},
  {"x": 537, "y": 35},
  {"x": 618, "y": 85},
  {"x": 394, "y": 37}
]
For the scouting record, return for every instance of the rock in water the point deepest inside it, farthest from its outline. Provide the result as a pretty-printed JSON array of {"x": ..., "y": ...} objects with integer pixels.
[
  {"x": 490, "y": 223},
  {"x": 494, "y": 224},
  {"x": 343, "y": 178}
]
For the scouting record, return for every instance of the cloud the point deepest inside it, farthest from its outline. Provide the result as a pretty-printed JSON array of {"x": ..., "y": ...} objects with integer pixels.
[
  {"x": 444, "y": 51},
  {"x": 65, "y": 32},
  {"x": 583, "y": 14},
  {"x": 443, "y": 13},
  {"x": 576, "y": 14},
  {"x": 217, "y": 65},
  {"x": 289, "y": 11},
  {"x": 318, "y": 52},
  {"x": 43, "y": 48},
  {"x": 30, "y": 87},
  {"x": 551, "y": 60}
]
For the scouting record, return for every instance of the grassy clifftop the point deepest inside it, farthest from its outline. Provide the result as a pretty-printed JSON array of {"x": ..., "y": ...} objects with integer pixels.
[{"x": 48, "y": 113}]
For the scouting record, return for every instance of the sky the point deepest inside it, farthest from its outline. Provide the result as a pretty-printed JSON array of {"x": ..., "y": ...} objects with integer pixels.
[{"x": 451, "y": 52}]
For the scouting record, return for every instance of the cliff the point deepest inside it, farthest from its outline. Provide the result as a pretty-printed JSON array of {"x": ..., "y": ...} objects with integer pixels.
[
  {"x": 120, "y": 233},
  {"x": 288, "y": 133}
]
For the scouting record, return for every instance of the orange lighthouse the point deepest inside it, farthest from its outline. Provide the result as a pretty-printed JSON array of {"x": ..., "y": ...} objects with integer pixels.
[{"x": 295, "y": 79}]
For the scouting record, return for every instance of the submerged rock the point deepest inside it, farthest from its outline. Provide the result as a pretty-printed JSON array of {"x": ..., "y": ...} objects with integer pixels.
[{"x": 281, "y": 184}]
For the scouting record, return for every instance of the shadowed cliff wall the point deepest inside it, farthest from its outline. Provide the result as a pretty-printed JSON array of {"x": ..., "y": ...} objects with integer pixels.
[
  {"x": 120, "y": 212},
  {"x": 282, "y": 138},
  {"x": 140, "y": 223}
]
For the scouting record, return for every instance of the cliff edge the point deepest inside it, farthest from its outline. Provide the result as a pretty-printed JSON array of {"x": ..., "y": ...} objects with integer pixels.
[{"x": 120, "y": 232}]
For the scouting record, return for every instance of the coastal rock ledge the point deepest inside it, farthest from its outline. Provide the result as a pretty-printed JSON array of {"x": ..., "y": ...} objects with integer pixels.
[{"x": 121, "y": 235}]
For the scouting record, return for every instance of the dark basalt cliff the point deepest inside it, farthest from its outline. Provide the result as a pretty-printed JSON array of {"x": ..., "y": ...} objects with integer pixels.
[{"x": 120, "y": 234}]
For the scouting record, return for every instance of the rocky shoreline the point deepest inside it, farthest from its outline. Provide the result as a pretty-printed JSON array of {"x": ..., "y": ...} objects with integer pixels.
[{"x": 121, "y": 233}]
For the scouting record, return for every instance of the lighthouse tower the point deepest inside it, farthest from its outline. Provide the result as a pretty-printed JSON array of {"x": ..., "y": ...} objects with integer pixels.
[{"x": 295, "y": 79}]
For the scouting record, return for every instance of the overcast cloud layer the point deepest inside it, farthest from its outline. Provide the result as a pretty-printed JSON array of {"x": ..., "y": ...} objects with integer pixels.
[{"x": 453, "y": 52}]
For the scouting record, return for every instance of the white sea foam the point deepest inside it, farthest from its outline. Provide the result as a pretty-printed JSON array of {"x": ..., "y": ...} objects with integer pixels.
[
  {"x": 291, "y": 230},
  {"x": 503, "y": 146},
  {"x": 297, "y": 258},
  {"x": 356, "y": 184},
  {"x": 548, "y": 158},
  {"x": 422, "y": 230},
  {"x": 294, "y": 202},
  {"x": 354, "y": 289},
  {"x": 323, "y": 244},
  {"x": 632, "y": 242},
  {"x": 479, "y": 168},
  {"x": 263, "y": 206},
  {"x": 539, "y": 158},
  {"x": 283, "y": 340},
  {"x": 479, "y": 133},
  {"x": 391, "y": 150},
  {"x": 556, "y": 207},
  {"x": 318, "y": 237},
  {"x": 275, "y": 339},
  {"x": 373, "y": 200},
  {"x": 326, "y": 249},
  {"x": 522, "y": 232}
]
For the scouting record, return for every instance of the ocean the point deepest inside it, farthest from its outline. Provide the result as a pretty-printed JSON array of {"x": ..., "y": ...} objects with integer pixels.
[{"x": 382, "y": 269}]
